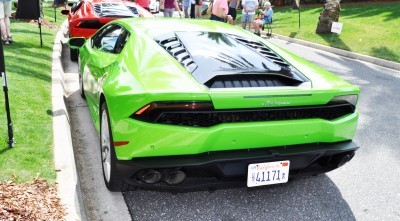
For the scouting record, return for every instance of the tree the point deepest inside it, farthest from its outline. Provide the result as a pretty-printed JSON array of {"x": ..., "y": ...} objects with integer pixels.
[
  {"x": 28, "y": 9},
  {"x": 328, "y": 15}
]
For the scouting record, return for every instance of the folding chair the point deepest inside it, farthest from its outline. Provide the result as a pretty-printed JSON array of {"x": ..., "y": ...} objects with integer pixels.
[{"x": 269, "y": 28}]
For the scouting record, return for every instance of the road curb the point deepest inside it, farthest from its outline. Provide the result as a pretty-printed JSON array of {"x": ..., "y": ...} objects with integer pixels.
[
  {"x": 344, "y": 53},
  {"x": 69, "y": 188}
]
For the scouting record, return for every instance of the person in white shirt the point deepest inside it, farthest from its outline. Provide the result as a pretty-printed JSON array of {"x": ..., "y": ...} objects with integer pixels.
[{"x": 249, "y": 9}]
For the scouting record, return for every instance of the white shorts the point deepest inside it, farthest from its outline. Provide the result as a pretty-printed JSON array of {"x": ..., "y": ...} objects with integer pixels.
[{"x": 5, "y": 9}]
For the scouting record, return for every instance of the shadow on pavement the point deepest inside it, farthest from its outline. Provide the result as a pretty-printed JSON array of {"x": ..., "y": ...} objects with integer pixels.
[{"x": 311, "y": 198}]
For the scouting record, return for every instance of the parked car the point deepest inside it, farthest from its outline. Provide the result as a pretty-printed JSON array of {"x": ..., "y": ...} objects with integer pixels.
[
  {"x": 87, "y": 16},
  {"x": 154, "y": 6},
  {"x": 183, "y": 104}
]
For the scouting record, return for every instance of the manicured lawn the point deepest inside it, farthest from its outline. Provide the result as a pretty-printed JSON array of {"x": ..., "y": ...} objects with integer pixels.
[
  {"x": 370, "y": 29},
  {"x": 28, "y": 68}
]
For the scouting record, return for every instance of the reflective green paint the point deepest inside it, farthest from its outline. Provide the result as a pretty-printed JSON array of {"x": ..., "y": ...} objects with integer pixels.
[{"x": 144, "y": 73}]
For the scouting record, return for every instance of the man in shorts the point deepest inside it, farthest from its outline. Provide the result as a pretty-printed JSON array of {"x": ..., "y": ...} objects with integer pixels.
[
  {"x": 5, "y": 14},
  {"x": 249, "y": 9}
]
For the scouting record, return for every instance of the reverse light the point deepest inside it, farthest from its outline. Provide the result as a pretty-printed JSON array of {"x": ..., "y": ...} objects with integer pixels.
[{"x": 351, "y": 98}]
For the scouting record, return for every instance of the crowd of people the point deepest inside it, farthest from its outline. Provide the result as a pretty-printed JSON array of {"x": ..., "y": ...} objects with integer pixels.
[
  {"x": 224, "y": 11},
  {"x": 221, "y": 10}
]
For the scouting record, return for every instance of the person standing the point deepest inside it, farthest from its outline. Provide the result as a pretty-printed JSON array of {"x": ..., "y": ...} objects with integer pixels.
[
  {"x": 186, "y": 6},
  {"x": 5, "y": 14},
  {"x": 144, "y": 3},
  {"x": 249, "y": 10},
  {"x": 219, "y": 11},
  {"x": 233, "y": 4},
  {"x": 266, "y": 18},
  {"x": 169, "y": 7},
  {"x": 197, "y": 8}
]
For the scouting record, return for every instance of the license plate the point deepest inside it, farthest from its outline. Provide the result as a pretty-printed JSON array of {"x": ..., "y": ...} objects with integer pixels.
[{"x": 260, "y": 174}]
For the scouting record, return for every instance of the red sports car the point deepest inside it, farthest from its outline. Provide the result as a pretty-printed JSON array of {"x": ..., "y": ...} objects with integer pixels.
[{"x": 87, "y": 16}]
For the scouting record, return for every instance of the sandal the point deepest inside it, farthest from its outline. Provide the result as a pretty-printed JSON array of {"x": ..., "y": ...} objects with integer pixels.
[
  {"x": 6, "y": 42},
  {"x": 9, "y": 39}
]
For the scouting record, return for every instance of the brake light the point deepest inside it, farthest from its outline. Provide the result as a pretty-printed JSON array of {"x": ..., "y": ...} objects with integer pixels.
[
  {"x": 89, "y": 24},
  {"x": 152, "y": 111},
  {"x": 120, "y": 143}
]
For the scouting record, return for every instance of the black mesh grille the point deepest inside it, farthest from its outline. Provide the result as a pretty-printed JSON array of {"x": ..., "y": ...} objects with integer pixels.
[
  {"x": 211, "y": 118},
  {"x": 251, "y": 80},
  {"x": 175, "y": 47}
]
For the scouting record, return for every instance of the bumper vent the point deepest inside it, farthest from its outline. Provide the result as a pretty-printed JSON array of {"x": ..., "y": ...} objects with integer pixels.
[
  {"x": 252, "y": 80},
  {"x": 214, "y": 117}
]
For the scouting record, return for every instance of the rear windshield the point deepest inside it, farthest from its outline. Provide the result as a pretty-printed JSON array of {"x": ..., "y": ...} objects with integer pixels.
[{"x": 115, "y": 10}]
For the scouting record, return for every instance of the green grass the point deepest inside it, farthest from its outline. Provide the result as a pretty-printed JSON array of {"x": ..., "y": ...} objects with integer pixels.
[
  {"x": 28, "y": 68},
  {"x": 370, "y": 29}
]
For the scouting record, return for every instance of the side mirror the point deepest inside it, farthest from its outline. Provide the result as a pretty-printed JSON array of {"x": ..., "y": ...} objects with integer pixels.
[
  {"x": 76, "y": 43},
  {"x": 65, "y": 12}
]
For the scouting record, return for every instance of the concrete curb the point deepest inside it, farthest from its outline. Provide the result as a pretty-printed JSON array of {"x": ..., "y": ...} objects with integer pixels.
[
  {"x": 69, "y": 188},
  {"x": 348, "y": 54}
]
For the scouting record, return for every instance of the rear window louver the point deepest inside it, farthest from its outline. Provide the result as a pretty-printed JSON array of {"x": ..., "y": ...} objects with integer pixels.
[
  {"x": 262, "y": 49},
  {"x": 97, "y": 8},
  {"x": 175, "y": 47}
]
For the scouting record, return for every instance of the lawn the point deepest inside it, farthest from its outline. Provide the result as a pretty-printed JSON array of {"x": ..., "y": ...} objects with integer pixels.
[
  {"x": 28, "y": 68},
  {"x": 370, "y": 29}
]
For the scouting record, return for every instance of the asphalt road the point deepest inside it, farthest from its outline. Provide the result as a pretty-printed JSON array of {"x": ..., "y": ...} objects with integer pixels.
[{"x": 367, "y": 188}]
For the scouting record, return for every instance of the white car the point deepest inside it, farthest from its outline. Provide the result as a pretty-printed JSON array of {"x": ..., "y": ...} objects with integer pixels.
[{"x": 154, "y": 6}]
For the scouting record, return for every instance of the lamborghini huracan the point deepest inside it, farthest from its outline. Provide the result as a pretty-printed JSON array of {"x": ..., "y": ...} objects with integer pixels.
[{"x": 185, "y": 104}]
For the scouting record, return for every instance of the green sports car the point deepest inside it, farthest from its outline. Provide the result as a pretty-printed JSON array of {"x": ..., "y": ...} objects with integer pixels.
[{"x": 182, "y": 104}]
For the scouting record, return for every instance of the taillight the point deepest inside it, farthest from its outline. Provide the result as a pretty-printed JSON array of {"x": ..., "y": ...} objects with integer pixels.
[
  {"x": 89, "y": 24},
  {"x": 151, "y": 112}
]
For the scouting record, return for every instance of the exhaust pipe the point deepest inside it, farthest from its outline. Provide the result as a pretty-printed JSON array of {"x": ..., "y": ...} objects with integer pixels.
[
  {"x": 150, "y": 176},
  {"x": 341, "y": 160},
  {"x": 173, "y": 177}
]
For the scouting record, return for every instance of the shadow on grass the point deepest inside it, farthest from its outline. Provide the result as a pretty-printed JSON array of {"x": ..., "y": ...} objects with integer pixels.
[
  {"x": 386, "y": 53},
  {"x": 387, "y": 10},
  {"x": 335, "y": 41},
  {"x": 6, "y": 148}
]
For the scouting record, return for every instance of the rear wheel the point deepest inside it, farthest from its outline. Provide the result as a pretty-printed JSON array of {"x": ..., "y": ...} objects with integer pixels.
[
  {"x": 108, "y": 158},
  {"x": 73, "y": 53},
  {"x": 81, "y": 89}
]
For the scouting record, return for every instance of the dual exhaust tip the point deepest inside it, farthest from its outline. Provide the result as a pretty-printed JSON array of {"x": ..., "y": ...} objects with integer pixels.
[{"x": 169, "y": 176}]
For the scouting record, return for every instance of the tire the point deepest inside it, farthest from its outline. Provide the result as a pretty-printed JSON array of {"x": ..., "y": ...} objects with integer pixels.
[
  {"x": 108, "y": 158},
  {"x": 73, "y": 54},
  {"x": 81, "y": 89}
]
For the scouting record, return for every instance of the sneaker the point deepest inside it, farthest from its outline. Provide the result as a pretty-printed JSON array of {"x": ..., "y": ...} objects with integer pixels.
[{"x": 257, "y": 33}]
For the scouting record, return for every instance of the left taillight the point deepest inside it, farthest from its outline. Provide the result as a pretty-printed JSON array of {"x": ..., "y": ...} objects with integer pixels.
[{"x": 152, "y": 111}]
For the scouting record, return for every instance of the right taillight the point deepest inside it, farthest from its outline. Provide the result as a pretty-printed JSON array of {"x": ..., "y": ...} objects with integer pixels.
[
  {"x": 89, "y": 24},
  {"x": 351, "y": 98}
]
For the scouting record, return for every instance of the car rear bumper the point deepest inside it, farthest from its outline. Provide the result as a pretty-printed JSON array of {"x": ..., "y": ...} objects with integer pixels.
[{"x": 224, "y": 168}]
